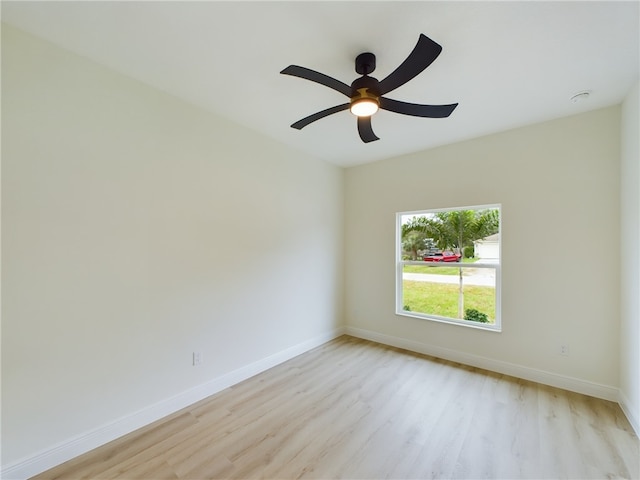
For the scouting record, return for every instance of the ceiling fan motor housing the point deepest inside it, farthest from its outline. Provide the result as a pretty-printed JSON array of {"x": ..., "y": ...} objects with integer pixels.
[
  {"x": 370, "y": 84},
  {"x": 365, "y": 89}
]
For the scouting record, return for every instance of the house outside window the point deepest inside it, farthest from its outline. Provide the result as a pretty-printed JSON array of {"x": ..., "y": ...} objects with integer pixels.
[{"x": 448, "y": 265}]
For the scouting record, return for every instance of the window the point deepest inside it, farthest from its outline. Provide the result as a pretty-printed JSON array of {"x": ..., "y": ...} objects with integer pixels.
[{"x": 448, "y": 265}]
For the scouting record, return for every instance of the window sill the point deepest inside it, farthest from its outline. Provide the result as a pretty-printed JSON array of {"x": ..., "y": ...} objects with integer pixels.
[{"x": 491, "y": 327}]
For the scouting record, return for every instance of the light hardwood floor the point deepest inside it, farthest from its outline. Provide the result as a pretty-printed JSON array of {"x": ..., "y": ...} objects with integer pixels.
[{"x": 356, "y": 409}]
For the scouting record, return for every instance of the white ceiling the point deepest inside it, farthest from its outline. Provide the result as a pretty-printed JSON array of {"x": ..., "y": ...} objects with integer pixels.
[{"x": 508, "y": 64}]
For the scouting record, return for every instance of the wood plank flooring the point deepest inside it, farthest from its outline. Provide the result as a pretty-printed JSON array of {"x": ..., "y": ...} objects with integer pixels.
[{"x": 356, "y": 409}]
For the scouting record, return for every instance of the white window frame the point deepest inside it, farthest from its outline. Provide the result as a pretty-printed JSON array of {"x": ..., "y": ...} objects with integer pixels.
[{"x": 400, "y": 263}]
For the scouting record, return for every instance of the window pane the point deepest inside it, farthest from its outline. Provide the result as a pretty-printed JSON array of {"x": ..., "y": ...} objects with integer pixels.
[
  {"x": 451, "y": 235},
  {"x": 443, "y": 292}
]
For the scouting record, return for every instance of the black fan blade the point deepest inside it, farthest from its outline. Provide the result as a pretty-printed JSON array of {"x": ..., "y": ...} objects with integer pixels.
[
  {"x": 417, "y": 110},
  {"x": 423, "y": 54},
  {"x": 365, "y": 130},
  {"x": 317, "y": 77},
  {"x": 300, "y": 124}
]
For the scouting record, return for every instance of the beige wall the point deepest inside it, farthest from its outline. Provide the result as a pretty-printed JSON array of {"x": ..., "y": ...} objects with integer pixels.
[
  {"x": 630, "y": 254},
  {"x": 558, "y": 183},
  {"x": 137, "y": 229}
]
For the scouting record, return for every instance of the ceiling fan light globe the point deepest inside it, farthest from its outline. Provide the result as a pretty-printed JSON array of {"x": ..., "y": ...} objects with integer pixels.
[{"x": 364, "y": 107}]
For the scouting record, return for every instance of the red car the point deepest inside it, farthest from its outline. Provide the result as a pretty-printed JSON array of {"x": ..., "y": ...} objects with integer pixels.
[{"x": 442, "y": 257}]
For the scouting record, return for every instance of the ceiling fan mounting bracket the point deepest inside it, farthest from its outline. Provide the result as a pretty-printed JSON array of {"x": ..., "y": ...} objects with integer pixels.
[{"x": 365, "y": 63}]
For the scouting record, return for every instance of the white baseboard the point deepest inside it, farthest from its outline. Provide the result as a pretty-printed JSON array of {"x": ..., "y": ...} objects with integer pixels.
[
  {"x": 64, "y": 451},
  {"x": 631, "y": 413},
  {"x": 540, "y": 376}
]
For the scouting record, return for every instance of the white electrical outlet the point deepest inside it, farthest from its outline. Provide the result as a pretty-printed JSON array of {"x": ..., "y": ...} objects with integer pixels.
[
  {"x": 564, "y": 349},
  {"x": 197, "y": 358}
]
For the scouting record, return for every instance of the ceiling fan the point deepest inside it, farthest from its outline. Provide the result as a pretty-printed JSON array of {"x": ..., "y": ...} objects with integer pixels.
[{"x": 366, "y": 93}]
